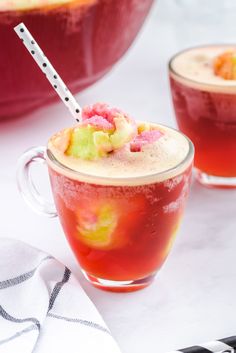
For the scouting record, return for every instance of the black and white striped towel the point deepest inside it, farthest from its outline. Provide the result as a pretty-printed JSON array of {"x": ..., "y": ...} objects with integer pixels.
[{"x": 43, "y": 308}]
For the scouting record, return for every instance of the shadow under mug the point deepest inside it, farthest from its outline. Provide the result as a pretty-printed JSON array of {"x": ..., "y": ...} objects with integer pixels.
[
  {"x": 206, "y": 113},
  {"x": 120, "y": 229}
]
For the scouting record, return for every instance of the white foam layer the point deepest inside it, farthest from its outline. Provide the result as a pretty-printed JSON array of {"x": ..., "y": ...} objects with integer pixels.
[
  {"x": 195, "y": 67},
  {"x": 162, "y": 156},
  {"x": 11, "y": 5}
]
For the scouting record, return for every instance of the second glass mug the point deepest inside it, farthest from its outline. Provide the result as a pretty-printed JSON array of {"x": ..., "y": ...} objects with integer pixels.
[
  {"x": 120, "y": 229},
  {"x": 206, "y": 113}
]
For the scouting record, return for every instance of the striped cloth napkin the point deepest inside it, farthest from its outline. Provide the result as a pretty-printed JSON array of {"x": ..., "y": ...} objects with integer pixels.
[{"x": 43, "y": 308}]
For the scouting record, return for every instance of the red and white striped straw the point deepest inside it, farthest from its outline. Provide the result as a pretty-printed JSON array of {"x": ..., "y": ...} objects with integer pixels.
[{"x": 47, "y": 68}]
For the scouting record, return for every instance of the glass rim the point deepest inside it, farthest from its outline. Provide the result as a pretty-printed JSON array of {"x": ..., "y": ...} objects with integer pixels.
[
  {"x": 204, "y": 84},
  {"x": 123, "y": 180}
]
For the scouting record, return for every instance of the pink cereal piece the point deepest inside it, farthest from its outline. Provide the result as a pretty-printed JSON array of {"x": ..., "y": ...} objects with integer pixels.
[
  {"x": 144, "y": 138},
  {"x": 105, "y": 111},
  {"x": 98, "y": 122},
  {"x": 96, "y": 109}
]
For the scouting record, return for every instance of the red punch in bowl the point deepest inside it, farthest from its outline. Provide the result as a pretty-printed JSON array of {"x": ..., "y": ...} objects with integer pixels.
[{"x": 82, "y": 38}]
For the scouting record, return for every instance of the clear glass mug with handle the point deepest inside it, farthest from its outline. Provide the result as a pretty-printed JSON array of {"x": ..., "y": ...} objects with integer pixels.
[
  {"x": 205, "y": 107},
  {"x": 120, "y": 229}
]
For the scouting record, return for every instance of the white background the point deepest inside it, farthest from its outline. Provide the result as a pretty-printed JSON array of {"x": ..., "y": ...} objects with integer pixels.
[{"x": 193, "y": 297}]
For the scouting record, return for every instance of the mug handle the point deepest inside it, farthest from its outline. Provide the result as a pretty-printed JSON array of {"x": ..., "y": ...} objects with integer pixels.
[{"x": 26, "y": 185}]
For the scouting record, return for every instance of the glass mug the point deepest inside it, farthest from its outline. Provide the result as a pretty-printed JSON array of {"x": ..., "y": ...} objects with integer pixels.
[
  {"x": 120, "y": 229},
  {"x": 207, "y": 114}
]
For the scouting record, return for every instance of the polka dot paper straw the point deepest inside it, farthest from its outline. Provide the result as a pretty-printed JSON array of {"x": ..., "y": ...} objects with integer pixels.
[{"x": 47, "y": 68}]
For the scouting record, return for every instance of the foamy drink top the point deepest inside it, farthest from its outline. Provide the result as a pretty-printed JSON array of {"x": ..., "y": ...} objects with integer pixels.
[
  {"x": 109, "y": 143},
  {"x": 211, "y": 68}
]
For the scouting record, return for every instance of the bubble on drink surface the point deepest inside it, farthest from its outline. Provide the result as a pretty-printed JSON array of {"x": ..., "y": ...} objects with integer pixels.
[
  {"x": 177, "y": 204},
  {"x": 173, "y": 206},
  {"x": 201, "y": 58},
  {"x": 171, "y": 184}
]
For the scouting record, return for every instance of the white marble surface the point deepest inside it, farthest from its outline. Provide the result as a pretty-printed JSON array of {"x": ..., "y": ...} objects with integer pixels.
[{"x": 193, "y": 297}]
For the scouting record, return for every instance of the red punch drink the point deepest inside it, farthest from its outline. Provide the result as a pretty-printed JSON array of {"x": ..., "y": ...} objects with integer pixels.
[
  {"x": 120, "y": 234},
  {"x": 203, "y": 86},
  {"x": 82, "y": 38},
  {"x": 119, "y": 188},
  {"x": 119, "y": 209}
]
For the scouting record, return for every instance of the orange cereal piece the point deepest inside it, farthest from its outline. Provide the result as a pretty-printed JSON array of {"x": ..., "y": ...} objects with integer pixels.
[
  {"x": 61, "y": 140},
  {"x": 225, "y": 65}
]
